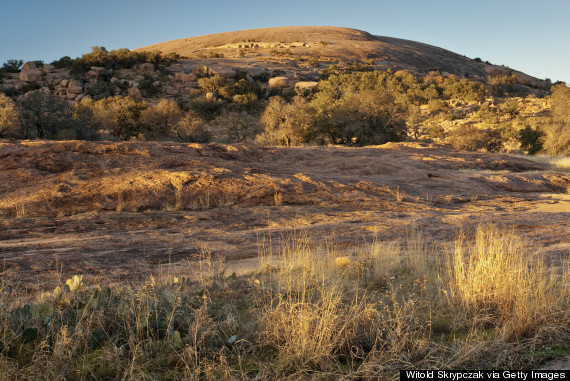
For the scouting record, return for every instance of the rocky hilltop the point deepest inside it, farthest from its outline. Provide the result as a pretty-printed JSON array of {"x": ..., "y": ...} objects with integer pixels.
[
  {"x": 338, "y": 45},
  {"x": 297, "y": 56}
]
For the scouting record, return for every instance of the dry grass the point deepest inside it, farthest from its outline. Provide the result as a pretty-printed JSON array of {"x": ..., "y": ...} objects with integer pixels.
[
  {"x": 497, "y": 281},
  {"x": 314, "y": 310}
]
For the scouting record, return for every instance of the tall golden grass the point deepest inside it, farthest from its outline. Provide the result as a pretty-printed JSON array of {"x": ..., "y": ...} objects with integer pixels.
[{"x": 314, "y": 310}]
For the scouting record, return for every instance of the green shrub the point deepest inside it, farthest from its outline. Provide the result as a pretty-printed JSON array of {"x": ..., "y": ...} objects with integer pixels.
[
  {"x": 99, "y": 90},
  {"x": 147, "y": 87},
  {"x": 531, "y": 140},
  {"x": 64, "y": 62},
  {"x": 12, "y": 66}
]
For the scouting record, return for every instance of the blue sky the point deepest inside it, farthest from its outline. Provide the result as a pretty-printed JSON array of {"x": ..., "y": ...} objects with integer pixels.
[{"x": 531, "y": 36}]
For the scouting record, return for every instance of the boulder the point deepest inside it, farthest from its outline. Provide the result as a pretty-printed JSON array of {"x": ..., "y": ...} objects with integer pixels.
[
  {"x": 171, "y": 90},
  {"x": 64, "y": 82},
  {"x": 278, "y": 82},
  {"x": 146, "y": 67},
  {"x": 289, "y": 90},
  {"x": 223, "y": 71},
  {"x": 30, "y": 75},
  {"x": 49, "y": 68},
  {"x": 75, "y": 86},
  {"x": 97, "y": 72},
  {"x": 135, "y": 93},
  {"x": 29, "y": 65},
  {"x": 527, "y": 80},
  {"x": 53, "y": 77},
  {"x": 306, "y": 87},
  {"x": 185, "y": 77}
]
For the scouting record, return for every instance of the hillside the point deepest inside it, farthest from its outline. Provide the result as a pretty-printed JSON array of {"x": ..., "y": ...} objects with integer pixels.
[{"x": 337, "y": 45}]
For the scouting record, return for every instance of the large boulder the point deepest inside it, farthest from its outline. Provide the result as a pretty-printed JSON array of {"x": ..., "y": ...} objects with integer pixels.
[
  {"x": 308, "y": 87},
  {"x": 75, "y": 86},
  {"x": 97, "y": 72},
  {"x": 30, "y": 75},
  {"x": 278, "y": 82},
  {"x": 527, "y": 80},
  {"x": 223, "y": 71},
  {"x": 146, "y": 67},
  {"x": 49, "y": 68},
  {"x": 171, "y": 90},
  {"x": 30, "y": 72},
  {"x": 135, "y": 93},
  {"x": 185, "y": 77},
  {"x": 29, "y": 65}
]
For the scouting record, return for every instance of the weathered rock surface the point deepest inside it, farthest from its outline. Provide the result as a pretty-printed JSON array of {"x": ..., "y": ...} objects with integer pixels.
[
  {"x": 29, "y": 65},
  {"x": 30, "y": 75},
  {"x": 278, "y": 82},
  {"x": 135, "y": 93},
  {"x": 146, "y": 67},
  {"x": 75, "y": 86},
  {"x": 223, "y": 71},
  {"x": 185, "y": 77},
  {"x": 306, "y": 87}
]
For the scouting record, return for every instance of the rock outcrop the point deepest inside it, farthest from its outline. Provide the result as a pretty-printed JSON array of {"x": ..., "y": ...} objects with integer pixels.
[
  {"x": 304, "y": 88},
  {"x": 135, "y": 93},
  {"x": 30, "y": 73},
  {"x": 278, "y": 82}
]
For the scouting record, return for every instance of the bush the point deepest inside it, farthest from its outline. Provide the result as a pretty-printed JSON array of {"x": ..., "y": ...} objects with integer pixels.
[
  {"x": 287, "y": 123},
  {"x": 9, "y": 118},
  {"x": 12, "y": 66},
  {"x": 192, "y": 128},
  {"x": 45, "y": 116},
  {"x": 531, "y": 140},
  {"x": 366, "y": 117},
  {"x": 41, "y": 115},
  {"x": 212, "y": 84},
  {"x": 120, "y": 116},
  {"x": 64, "y": 62},
  {"x": 160, "y": 120},
  {"x": 557, "y": 130},
  {"x": 147, "y": 87},
  {"x": 471, "y": 138},
  {"x": 99, "y": 90},
  {"x": 235, "y": 127}
]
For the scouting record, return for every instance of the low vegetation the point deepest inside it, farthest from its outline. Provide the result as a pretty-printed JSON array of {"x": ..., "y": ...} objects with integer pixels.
[
  {"x": 312, "y": 310},
  {"x": 114, "y": 59},
  {"x": 355, "y": 105}
]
